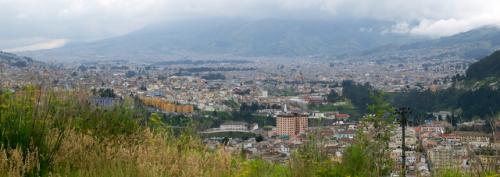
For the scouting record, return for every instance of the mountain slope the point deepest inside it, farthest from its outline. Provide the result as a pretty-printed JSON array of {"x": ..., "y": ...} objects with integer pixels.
[
  {"x": 487, "y": 67},
  {"x": 476, "y": 95},
  {"x": 17, "y": 61},
  {"x": 473, "y": 44},
  {"x": 476, "y": 43},
  {"x": 236, "y": 37}
]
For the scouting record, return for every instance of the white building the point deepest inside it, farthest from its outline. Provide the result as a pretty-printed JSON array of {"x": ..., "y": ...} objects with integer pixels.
[{"x": 232, "y": 125}]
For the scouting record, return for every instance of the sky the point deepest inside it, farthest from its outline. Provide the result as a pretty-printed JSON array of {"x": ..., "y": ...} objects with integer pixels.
[{"x": 43, "y": 24}]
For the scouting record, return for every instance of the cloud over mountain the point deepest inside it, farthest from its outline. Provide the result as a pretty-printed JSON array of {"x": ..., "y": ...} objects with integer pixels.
[{"x": 96, "y": 19}]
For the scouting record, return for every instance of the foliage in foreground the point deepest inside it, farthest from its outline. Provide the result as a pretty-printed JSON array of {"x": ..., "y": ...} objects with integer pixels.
[
  {"x": 61, "y": 134},
  {"x": 47, "y": 133}
]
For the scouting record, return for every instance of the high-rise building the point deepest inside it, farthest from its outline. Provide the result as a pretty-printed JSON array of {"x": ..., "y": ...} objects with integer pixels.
[{"x": 291, "y": 124}]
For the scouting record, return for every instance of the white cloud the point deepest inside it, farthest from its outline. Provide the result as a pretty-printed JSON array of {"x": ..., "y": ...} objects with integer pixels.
[
  {"x": 445, "y": 27},
  {"x": 40, "y": 46},
  {"x": 91, "y": 19},
  {"x": 401, "y": 28}
]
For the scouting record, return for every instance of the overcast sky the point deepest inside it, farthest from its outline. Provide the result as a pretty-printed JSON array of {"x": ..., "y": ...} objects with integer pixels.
[{"x": 35, "y": 24}]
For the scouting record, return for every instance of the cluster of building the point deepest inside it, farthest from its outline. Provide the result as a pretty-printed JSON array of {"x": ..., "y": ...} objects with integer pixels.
[
  {"x": 429, "y": 148},
  {"x": 291, "y": 131},
  {"x": 279, "y": 81},
  {"x": 470, "y": 151},
  {"x": 284, "y": 90},
  {"x": 166, "y": 106}
]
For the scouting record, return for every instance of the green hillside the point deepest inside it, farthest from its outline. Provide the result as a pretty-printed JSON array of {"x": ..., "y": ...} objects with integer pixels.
[
  {"x": 15, "y": 60},
  {"x": 485, "y": 68},
  {"x": 475, "y": 95}
]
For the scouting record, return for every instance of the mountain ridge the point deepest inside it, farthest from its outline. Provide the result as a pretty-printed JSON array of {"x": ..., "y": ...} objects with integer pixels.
[
  {"x": 245, "y": 38},
  {"x": 234, "y": 38},
  {"x": 16, "y": 60},
  {"x": 473, "y": 44}
]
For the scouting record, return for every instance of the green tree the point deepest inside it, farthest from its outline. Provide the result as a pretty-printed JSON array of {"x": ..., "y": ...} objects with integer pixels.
[
  {"x": 332, "y": 96},
  {"x": 369, "y": 155}
]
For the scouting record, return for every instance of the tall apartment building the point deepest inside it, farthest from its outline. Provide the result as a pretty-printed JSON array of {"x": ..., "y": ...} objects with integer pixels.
[
  {"x": 447, "y": 157},
  {"x": 291, "y": 124}
]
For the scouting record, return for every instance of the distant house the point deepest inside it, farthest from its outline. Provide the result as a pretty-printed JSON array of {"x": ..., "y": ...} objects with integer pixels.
[
  {"x": 476, "y": 125},
  {"x": 315, "y": 99},
  {"x": 411, "y": 157},
  {"x": 103, "y": 101},
  {"x": 450, "y": 137},
  {"x": 158, "y": 93},
  {"x": 495, "y": 140},
  {"x": 442, "y": 115},
  {"x": 342, "y": 116},
  {"x": 477, "y": 139},
  {"x": 233, "y": 125},
  {"x": 349, "y": 134},
  {"x": 317, "y": 114},
  {"x": 438, "y": 127},
  {"x": 432, "y": 128},
  {"x": 447, "y": 157}
]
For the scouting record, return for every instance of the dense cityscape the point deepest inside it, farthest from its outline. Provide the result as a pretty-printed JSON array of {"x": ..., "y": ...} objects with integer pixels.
[
  {"x": 286, "y": 88},
  {"x": 288, "y": 102}
]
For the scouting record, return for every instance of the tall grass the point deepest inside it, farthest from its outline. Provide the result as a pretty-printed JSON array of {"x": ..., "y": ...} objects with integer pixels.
[
  {"x": 61, "y": 134},
  {"x": 45, "y": 133},
  {"x": 26, "y": 119}
]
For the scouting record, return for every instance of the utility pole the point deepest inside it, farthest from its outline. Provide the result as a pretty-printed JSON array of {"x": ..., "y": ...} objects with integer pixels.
[{"x": 402, "y": 112}]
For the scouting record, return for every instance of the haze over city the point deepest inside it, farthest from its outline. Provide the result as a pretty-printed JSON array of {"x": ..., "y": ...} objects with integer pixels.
[{"x": 266, "y": 88}]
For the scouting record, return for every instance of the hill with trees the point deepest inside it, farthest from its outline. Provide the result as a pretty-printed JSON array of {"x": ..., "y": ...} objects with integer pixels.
[
  {"x": 473, "y": 96},
  {"x": 484, "y": 68},
  {"x": 17, "y": 61}
]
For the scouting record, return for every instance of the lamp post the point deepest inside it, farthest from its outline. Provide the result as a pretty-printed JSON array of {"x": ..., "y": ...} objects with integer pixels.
[{"x": 402, "y": 112}]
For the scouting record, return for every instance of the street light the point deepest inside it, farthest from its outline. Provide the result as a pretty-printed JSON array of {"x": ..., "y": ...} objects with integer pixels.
[{"x": 402, "y": 112}]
